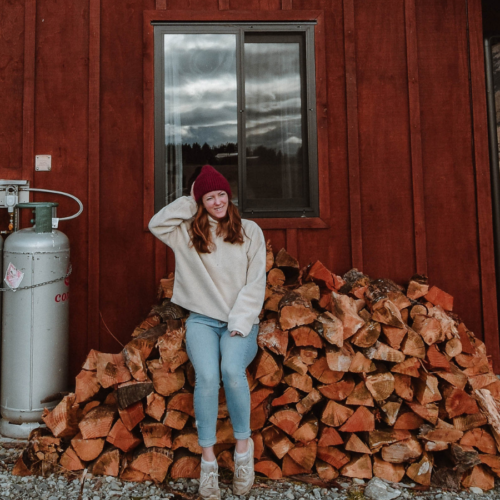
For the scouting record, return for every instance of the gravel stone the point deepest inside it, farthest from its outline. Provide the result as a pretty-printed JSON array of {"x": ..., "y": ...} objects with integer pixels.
[{"x": 476, "y": 490}]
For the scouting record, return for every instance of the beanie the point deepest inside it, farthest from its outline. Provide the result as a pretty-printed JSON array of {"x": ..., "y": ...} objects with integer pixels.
[{"x": 210, "y": 180}]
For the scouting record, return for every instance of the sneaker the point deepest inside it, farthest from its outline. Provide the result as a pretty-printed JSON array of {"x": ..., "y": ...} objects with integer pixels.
[
  {"x": 209, "y": 484},
  {"x": 244, "y": 474}
]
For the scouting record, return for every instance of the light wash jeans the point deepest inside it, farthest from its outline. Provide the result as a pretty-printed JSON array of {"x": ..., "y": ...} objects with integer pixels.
[{"x": 207, "y": 341}]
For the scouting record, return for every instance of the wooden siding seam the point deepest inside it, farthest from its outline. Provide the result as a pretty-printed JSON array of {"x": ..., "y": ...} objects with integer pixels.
[
  {"x": 292, "y": 242},
  {"x": 480, "y": 157},
  {"x": 93, "y": 174},
  {"x": 415, "y": 138},
  {"x": 352, "y": 135},
  {"x": 29, "y": 90}
]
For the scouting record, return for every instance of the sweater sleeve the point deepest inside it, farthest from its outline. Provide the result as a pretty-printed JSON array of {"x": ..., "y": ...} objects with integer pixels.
[
  {"x": 165, "y": 223},
  {"x": 249, "y": 301}
]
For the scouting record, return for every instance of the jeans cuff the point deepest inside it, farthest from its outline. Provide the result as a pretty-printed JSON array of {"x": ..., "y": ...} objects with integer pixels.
[
  {"x": 242, "y": 435},
  {"x": 206, "y": 443}
]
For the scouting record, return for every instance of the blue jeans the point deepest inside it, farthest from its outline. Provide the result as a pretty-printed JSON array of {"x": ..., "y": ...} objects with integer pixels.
[{"x": 207, "y": 341}]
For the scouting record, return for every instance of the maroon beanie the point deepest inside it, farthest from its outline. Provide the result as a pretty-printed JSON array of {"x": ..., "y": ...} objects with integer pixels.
[{"x": 210, "y": 180}]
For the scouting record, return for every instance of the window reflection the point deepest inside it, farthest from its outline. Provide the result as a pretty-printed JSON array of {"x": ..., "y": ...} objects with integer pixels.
[
  {"x": 200, "y": 108},
  {"x": 275, "y": 157}
]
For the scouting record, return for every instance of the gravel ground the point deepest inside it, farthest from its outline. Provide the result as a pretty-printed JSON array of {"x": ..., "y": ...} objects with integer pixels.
[{"x": 69, "y": 486}]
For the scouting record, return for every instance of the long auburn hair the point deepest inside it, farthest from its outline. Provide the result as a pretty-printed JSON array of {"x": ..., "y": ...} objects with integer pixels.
[{"x": 230, "y": 227}]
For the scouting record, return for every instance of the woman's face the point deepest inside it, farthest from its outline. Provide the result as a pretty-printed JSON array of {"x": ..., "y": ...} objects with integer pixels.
[{"x": 216, "y": 203}]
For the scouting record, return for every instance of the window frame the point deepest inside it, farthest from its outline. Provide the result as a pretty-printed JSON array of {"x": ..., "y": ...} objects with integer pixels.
[
  {"x": 242, "y": 32},
  {"x": 320, "y": 220}
]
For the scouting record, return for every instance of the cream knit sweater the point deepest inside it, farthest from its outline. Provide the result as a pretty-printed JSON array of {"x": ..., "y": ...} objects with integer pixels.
[{"x": 227, "y": 284}]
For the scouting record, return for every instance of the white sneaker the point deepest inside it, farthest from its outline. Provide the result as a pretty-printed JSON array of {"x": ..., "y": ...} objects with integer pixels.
[
  {"x": 244, "y": 474},
  {"x": 209, "y": 484}
]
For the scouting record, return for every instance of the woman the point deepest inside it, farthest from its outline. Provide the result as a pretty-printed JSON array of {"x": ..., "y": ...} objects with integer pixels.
[{"x": 220, "y": 278}]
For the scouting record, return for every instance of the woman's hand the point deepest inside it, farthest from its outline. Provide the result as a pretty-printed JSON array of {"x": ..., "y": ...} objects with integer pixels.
[
  {"x": 192, "y": 193},
  {"x": 235, "y": 332}
]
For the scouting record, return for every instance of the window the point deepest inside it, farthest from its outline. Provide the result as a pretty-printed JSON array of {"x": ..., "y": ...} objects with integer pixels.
[{"x": 242, "y": 98}]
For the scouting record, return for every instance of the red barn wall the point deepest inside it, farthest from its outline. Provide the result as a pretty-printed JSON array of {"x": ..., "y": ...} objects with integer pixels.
[{"x": 407, "y": 148}]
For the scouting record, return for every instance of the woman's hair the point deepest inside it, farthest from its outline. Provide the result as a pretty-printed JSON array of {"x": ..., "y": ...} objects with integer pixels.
[{"x": 230, "y": 226}]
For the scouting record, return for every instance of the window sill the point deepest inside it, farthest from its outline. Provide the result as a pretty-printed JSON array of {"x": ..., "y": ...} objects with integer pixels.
[{"x": 291, "y": 223}]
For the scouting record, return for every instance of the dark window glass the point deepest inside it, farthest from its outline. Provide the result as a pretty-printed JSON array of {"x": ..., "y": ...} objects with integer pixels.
[{"x": 239, "y": 98}]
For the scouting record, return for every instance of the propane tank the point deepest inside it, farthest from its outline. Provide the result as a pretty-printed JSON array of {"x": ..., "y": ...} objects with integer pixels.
[{"x": 35, "y": 323}]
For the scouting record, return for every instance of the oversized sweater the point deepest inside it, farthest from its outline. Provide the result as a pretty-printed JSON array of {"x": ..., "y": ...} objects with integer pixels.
[{"x": 227, "y": 284}]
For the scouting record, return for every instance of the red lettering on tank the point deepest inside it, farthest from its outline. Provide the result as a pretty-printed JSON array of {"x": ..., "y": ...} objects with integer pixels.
[{"x": 62, "y": 297}]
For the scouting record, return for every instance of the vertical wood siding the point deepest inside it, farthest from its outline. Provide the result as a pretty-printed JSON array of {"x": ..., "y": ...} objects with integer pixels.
[{"x": 408, "y": 184}]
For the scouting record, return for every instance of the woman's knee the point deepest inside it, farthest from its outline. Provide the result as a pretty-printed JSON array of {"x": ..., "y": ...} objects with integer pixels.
[
  {"x": 233, "y": 374},
  {"x": 207, "y": 378}
]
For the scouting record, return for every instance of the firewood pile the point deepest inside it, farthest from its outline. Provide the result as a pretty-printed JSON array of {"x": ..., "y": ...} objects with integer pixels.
[{"x": 353, "y": 377}]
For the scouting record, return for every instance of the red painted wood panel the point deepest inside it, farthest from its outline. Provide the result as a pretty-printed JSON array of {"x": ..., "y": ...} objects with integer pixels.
[
  {"x": 61, "y": 126},
  {"x": 449, "y": 182},
  {"x": 127, "y": 265},
  {"x": 333, "y": 245},
  {"x": 483, "y": 183},
  {"x": 384, "y": 149},
  {"x": 11, "y": 87}
]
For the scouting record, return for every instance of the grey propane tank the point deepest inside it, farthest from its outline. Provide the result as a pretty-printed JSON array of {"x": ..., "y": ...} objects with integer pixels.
[{"x": 35, "y": 324}]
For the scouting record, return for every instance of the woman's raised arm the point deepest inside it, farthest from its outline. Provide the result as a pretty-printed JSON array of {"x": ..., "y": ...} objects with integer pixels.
[{"x": 164, "y": 224}]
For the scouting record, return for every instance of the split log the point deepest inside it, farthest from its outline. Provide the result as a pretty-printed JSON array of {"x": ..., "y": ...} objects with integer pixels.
[
  {"x": 322, "y": 373},
  {"x": 330, "y": 328},
  {"x": 403, "y": 386},
  {"x": 91, "y": 361},
  {"x": 417, "y": 287},
  {"x": 410, "y": 367},
  {"x": 186, "y": 467},
  {"x": 380, "y": 385},
  {"x": 87, "y": 386},
  {"x": 480, "y": 439},
  {"x": 338, "y": 391},
  {"x": 120, "y": 437},
  {"x": 304, "y": 454},
  {"x": 132, "y": 415},
  {"x": 306, "y": 336},
  {"x": 182, "y": 401},
  {"x": 98, "y": 422},
  {"x": 308, "y": 430},
  {"x": 87, "y": 449},
  {"x": 383, "y": 352},
  {"x": 361, "y": 420},
  {"x": 272, "y": 337},
  {"x": 309, "y": 401},
  {"x": 346, "y": 310},
  {"x": 286, "y": 420},
  {"x": 413, "y": 345},
  {"x": 294, "y": 311},
  {"x": 155, "y": 406},
  {"x": 269, "y": 468},
  {"x": 276, "y": 440},
  {"x": 335, "y": 414},
  {"x": 111, "y": 369},
  {"x": 63, "y": 419},
  {"x": 339, "y": 359},
  {"x": 71, "y": 461},
  {"x": 291, "y": 395},
  {"x": 420, "y": 471},
  {"x": 402, "y": 451},
  {"x": 426, "y": 389},
  {"x": 388, "y": 471},
  {"x": 129, "y": 393},
  {"x": 310, "y": 291},
  {"x": 325, "y": 471},
  {"x": 175, "y": 419},
  {"x": 367, "y": 335},
  {"x": 359, "y": 467},
  {"x": 107, "y": 464},
  {"x": 360, "y": 396},
  {"x": 440, "y": 298},
  {"x": 355, "y": 444},
  {"x": 330, "y": 437},
  {"x": 153, "y": 461},
  {"x": 155, "y": 434},
  {"x": 187, "y": 438},
  {"x": 332, "y": 456},
  {"x": 165, "y": 381},
  {"x": 479, "y": 477},
  {"x": 429, "y": 328}
]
